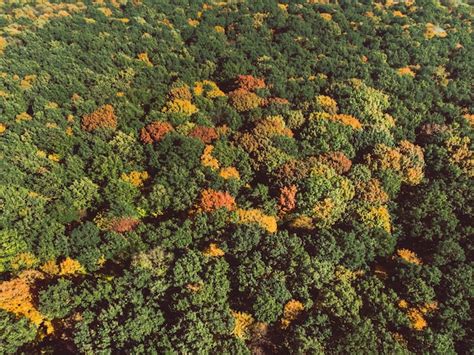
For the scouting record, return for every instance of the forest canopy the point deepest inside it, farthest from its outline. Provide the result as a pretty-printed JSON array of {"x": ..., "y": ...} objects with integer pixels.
[{"x": 236, "y": 177}]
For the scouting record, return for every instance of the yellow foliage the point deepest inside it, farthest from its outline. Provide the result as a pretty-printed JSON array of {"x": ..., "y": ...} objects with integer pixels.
[
  {"x": 41, "y": 154},
  {"x": 3, "y": 44},
  {"x": 407, "y": 160},
  {"x": 403, "y": 304},
  {"x": 208, "y": 160},
  {"x": 432, "y": 30},
  {"x": 323, "y": 209},
  {"x": 3, "y": 128},
  {"x": 460, "y": 153},
  {"x": 242, "y": 323},
  {"x": 180, "y": 106},
  {"x": 269, "y": 223},
  {"x": 51, "y": 105},
  {"x": 106, "y": 11},
  {"x": 283, "y": 7},
  {"x": 136, "y": 178},
  {"x": 291, "y": 311},
  {"x": 398, "y": 13},
  {"x": 327, "y": 103},
  {"x": 378, "y": 217},
  {"x": 326, "y": 16},
  {"x": 27, "y": 82},
  {"x": 51, "y": 125},
  {"x": 209, "y": 88},
  {"x": 409, "y": 256},
  {"x": 219, "y": 29},
  {"x": 69, "y": 131},
  {"x": 229, "y": 173},
  {"x": 144, "y": 58},
  {"x": 70, "y": 267},
  {"x": 429, "y": 307},
  {"x": 54, "y": 157},
  {"x": 50, "y": 267},
  {"x": 24, "y": 261},
  {"x": 23, "y": 117},
  {"x": 302, "y": 222},
  {"x": 213, "y": 250}
]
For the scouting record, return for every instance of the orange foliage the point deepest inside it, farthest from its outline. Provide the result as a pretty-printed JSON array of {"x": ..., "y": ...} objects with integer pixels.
[
  {"x": 229, "y": 173},
  {"x": 213, "y": 250},
  {"x": 16, "y": 296},
  {"x": 212, "y": 200},
  {"x": 371, "y": 192},
  {"x": 204, "y": 134},
  {"x": 417, "y": 320},
  {"x": 287, "y": 199},
  {"x": 155, "y": 131},
  {"x": 347, "y": 120},
  {"x": 406, "y": 71},
  {"x": 409, "y": 256},
  {"x": 244, "y": 100},
  {"x": 416, "y": 314},
  {"x": 104, "y": 117},
  {"x": 145, "y": 59},
  {"x": 469, "y": 118},
  {"x": 291, "y": 311},
  {"x": 250, "y": 83}
]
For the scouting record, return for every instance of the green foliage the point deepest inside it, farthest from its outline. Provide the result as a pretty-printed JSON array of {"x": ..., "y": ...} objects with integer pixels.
[{"x": 346, "y": 126}]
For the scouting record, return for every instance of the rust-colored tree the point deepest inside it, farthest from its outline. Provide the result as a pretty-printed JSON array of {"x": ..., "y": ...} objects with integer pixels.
[
  {"x": 212, "y": 200},
  {"x": 104, "y": 117},
  {"x": 204, "y": 134},
  {"x": 155, "y": 131}
]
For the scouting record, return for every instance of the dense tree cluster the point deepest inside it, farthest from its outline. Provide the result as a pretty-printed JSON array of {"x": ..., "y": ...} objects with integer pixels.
[{"x": 236, "y": 177}]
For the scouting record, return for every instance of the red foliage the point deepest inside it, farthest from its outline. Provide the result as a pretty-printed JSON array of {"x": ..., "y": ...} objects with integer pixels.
[
  {"x": 104, "y": 117},
  {"x": 338, "y": 161},
  {"x": 155, "y": 131},
  {"x": 212, "y": 200},
  {"x": 287, "y": 200},
  {"x": 123, "y": 224},
  {"x": 204, "y": 134},
  {"x": 250, "y": 83}
]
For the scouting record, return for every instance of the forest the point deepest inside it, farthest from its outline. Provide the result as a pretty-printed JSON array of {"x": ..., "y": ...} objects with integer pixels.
[{"x": 236, "y": 177}]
